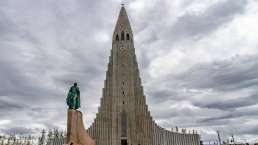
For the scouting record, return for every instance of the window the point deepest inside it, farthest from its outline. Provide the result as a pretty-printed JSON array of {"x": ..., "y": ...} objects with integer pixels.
[
  {"x": 117, "y": 37},
  {"x": 123, "y": 124},
  {"x": 122, "y": 35},
  {"x": 127, "y": 36}
]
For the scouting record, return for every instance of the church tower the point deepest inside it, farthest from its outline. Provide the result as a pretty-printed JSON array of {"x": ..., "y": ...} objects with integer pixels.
[{"x": 123, "y": 117}]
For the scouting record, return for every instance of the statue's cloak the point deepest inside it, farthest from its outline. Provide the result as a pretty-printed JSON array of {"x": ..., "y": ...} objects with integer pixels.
[{"x": 73, "y": 98}]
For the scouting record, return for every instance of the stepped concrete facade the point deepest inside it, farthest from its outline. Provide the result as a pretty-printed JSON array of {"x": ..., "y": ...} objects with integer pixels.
[{"x": 123, "y": 117}]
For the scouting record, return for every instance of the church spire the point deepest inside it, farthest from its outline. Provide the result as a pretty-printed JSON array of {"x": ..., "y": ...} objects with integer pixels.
[
  {"x": 123, "y": 116},
  {"x": 122, "y": 24}
]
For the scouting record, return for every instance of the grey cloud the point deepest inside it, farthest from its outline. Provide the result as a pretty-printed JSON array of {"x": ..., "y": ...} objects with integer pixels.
[
  {"x": 7, "y": 104},
  {"x": 233, "y": 114},
  {"x": 227, "y": 76},
  {"x": 231, "y": 103},
  {"x": 62, "y": 41},
  {"x": 220, "y": 120},
  {"x": 15, "y": 83},
  {"x": 239, "y": 72},
  {"x": 5, "y": 25},
  {"x": 193, "y": 24},
  {"x": 249, "y": 129},
  {"x": 163, "y": 34},
  {"x": 158, "y": 96},
  {"x": 10, "y": 31},
  {"x": 19, "y": 130},
  {"x": 63, "y": 50}
]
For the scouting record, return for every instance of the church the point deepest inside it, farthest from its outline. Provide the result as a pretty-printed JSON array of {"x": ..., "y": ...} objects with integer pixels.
[{"x": 123, "y": 117}]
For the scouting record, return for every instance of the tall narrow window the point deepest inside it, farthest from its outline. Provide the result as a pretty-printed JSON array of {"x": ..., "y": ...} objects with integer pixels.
[
  {"x": 127, "y": 36},
  {"x": 122, "y": 35},
  {"x": 117, "y": 37},
  {"x": 123, "y": 124}
]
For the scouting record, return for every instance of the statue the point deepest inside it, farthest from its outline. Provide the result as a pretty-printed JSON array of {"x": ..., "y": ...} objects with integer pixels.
[{"x": 73, "y": 97}]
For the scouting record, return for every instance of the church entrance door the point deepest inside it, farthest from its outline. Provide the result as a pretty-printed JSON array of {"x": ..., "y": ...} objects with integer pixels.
[{"x": 123, "y": 142}]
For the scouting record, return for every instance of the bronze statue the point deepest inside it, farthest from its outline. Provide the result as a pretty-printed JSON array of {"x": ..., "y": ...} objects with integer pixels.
[{"x": 73, "y": 97}]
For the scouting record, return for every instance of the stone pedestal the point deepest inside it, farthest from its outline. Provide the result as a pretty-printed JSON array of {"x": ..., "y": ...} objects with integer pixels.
[{"x": 76, "y": 133}]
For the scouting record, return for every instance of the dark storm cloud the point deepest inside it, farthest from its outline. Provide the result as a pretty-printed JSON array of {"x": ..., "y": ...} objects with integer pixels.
[{"x": 193, "y": 24}]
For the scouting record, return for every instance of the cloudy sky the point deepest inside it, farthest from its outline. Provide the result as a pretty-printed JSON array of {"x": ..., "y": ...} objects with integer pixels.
[{"x": 198, "y": 59}]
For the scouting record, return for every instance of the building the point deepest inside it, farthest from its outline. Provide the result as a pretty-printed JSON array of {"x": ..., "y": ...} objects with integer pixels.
[
  {"x": 123, "y": 117},
  {"x": 14, "y": 139},
  {"x": 54, "y": 137}
]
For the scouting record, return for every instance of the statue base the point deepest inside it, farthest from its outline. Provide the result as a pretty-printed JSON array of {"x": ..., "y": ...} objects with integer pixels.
[{"x": 76, "y": 133}]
